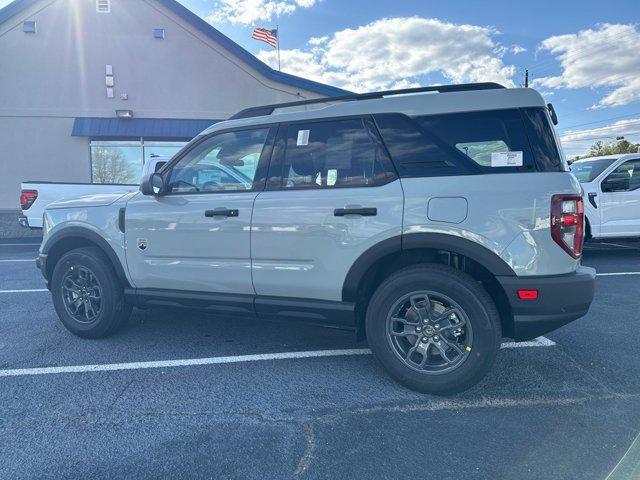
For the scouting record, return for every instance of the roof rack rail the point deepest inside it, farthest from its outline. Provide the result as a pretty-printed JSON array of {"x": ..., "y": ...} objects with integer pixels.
[{"x": 268, "y": 109}]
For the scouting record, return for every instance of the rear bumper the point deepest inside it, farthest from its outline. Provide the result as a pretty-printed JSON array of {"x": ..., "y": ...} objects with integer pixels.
[
  {"x": 561, "y": 299},
  {"x": 23, "y": 221}
]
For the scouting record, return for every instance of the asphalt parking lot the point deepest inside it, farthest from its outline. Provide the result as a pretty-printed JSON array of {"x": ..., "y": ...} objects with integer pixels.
[{"x": 252, "y": 406}]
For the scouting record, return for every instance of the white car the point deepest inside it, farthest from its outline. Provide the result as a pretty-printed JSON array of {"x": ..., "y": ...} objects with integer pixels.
[{"x": 611, "y": 191}]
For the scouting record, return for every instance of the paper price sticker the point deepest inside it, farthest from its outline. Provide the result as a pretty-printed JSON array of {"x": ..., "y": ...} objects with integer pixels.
[
  {"x": 506, "y": 159},
  {"x": 303, "y": 138}
]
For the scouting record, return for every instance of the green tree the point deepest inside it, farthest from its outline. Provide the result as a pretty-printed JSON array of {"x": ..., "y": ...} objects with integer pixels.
[
  {"x": 110, "y": 166},
  {"x": 617, "y": 147}
]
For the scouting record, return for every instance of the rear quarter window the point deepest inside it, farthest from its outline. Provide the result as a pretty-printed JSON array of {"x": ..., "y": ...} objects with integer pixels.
[
  {"x": 470, "y": 142},
  {"x": 542, "y": 139}
]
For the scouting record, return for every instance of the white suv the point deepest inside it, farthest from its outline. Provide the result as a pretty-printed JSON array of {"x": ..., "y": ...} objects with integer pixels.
[{"x": 434, "y": 220}]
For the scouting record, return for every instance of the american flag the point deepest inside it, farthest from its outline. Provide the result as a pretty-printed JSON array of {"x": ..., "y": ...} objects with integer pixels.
[{"x": 266, "y": 36}]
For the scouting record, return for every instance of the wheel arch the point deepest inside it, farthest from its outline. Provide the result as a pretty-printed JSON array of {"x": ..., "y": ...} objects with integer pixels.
[
  {"x": 392, "y": 254},
  {"x": 71, "y": 238}
]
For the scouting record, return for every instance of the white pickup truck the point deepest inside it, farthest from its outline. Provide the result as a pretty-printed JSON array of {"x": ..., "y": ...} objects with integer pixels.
[
  {"x": 35, "y": 196},
  {"x": 611, "y": 192}
]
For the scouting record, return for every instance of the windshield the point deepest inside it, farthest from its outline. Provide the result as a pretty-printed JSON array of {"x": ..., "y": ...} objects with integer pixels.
[{"x": 587, "y": 170}]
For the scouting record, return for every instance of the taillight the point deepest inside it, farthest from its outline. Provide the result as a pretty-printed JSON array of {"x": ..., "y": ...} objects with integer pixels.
[
  {"x": 567, "y": 223},
  {"x": 27, "y": 197}
]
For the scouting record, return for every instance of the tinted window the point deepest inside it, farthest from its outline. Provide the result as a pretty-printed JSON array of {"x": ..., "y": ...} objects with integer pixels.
[
  {"x": 543, "y": 140},
  {"x": 483, "y": 138},
  {"x": 337, "y": 153},
  {"x": 416, "y": 152},
  {"x": 224, "y": 162},
  {"x": 457, "y": 143},
  {"x": 588, "y": 170},
  {"x": 627, "y": 171}
]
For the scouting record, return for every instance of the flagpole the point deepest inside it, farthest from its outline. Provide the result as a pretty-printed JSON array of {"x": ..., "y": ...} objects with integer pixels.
[{"x": 278, "y": 44}]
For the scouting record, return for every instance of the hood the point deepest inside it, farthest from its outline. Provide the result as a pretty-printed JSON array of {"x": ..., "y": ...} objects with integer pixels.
[{"x": 93, "y": 200}]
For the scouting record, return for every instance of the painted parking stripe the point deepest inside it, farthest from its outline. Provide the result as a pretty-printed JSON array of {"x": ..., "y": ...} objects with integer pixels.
[
  {"x": 109, "y": 367},
  {"x": 537, "y": 342},
  {"x": 26, "y": 290},
  {"x": 614, "y": 274},
  {"x": 19, "y": 244},
  {"x": 18, "y": 260}
]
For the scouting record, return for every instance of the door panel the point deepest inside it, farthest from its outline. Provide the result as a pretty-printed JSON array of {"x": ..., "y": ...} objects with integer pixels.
[
  {"x": 333, "y": 195},
  {"x": 195, "y": 235},
  {"x": 187, "y": 250},
  {"x": 301, "y": 249},
  {"x": 621, "y": 209}
]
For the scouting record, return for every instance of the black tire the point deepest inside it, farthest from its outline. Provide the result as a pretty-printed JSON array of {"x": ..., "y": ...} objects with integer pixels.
[
  {"x": 111, "y": 310},
  {"x": 477, "y": 307}
]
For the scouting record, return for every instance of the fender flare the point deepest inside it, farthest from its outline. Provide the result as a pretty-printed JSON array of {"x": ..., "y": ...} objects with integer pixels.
[
  {"x": 93, "y": 237},
  {"x": 412, "y": 241}
]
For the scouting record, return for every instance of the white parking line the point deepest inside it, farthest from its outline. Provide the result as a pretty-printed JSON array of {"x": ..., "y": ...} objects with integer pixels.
[
  {"x": 108, "y": 367},
  {"x": 614, "y": 274},
  {"x": 19, "y": 244},
  {"x": 27, "y": 290},
  {"x": 537, "y": 342},
  {"x": 19, "y": 260}
]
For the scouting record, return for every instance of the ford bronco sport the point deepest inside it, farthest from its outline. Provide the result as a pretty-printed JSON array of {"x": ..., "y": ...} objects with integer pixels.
[{"x": 434, "y": 221}]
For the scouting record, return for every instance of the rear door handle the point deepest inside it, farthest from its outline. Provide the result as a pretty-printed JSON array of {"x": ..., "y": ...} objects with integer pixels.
[
  {"x": 222, "y": 212},
  {"x": 365, "y": 211}
]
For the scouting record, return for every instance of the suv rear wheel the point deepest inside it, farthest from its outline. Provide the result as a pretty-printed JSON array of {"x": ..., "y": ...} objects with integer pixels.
[
  {"x": 433, "y": 328},
  {"x": 87, "y": 295}
]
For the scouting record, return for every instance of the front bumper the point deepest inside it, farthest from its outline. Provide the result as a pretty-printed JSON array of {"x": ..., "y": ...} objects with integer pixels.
[{"x": 561, "y": 299}]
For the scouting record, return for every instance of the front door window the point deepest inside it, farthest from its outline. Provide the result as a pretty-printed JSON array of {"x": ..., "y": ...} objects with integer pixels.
[{"x": 224, "y": 162}]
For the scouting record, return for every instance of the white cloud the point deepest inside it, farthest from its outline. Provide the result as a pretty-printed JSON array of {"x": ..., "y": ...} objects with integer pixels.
[
  {"x": 516, "y": 49},
  {"x": 577, "y": 142},
  {"x": 606, "y": 56},
  {"x": 394, "y": 51},
  {"x": 248, "y": 12}
]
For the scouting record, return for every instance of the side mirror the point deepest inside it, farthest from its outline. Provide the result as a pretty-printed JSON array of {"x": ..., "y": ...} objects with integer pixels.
[
  {"x": 152, "y": 185},
  {"x": 619, "y": 184}
]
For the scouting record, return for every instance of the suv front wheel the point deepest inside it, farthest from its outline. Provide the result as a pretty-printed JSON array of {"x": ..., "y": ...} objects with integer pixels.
[
  {"x": 433, "y": 328},
  {"x": 87, "y": 295}
]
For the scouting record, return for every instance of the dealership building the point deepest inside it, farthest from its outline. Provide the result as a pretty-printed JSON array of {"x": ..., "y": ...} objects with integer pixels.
[{"x": 82, "y": 81}]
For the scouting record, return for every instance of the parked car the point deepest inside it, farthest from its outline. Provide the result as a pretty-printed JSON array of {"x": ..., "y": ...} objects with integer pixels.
[
  {"x": 433, "y": 221},
  {"x": 611, "y": 187},
  {"x": 36, "y": 195}
]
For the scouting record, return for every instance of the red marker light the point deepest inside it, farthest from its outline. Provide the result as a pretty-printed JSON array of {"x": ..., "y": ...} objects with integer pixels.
[{"x": 527, "y": 294}]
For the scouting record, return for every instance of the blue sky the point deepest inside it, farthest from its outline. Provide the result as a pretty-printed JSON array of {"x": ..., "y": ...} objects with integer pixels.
[{"x": 582, "y": 55}]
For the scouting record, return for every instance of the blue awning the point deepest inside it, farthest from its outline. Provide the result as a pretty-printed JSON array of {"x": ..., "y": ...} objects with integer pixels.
[{"x": 152, "y": 128}]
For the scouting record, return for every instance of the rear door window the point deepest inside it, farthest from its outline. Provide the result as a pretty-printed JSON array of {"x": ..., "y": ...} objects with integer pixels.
[{"x": 334, "y": 153}]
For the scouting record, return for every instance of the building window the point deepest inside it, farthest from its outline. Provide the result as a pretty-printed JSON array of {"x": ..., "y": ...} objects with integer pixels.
[
  {"x": 158, "y": 33},
  {"x": 161, "y": 149},
  {"x": 103, "y": 6},
  {"x": 120, "y": 162},
  {"x": 29, "y": 26}
]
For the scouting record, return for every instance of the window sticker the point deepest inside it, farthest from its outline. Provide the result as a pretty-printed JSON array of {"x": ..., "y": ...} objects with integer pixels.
[
  {"x": 506, "y": 159},
  {"x": 303, "y": 138}
]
